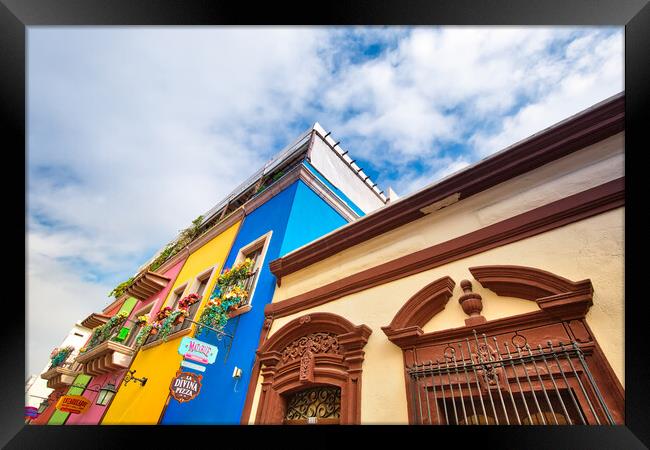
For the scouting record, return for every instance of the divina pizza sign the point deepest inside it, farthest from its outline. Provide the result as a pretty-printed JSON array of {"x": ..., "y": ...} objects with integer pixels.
[{"x": 185, "y": 386}]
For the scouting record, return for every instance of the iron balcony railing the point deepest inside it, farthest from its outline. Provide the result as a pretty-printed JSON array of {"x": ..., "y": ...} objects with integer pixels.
[
  {"x": 248, "y": 286},
  {"x": 480, "y": 384},
  {"x": 67, "y": 364},
  {"x": 115, "y": 334},
  {"x": 194, "y": 307}
]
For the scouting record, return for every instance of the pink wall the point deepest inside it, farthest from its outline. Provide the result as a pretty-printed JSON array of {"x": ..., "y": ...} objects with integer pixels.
[
  {"x": 94, "y": 414},
  {"x": 43, "y": 418}
]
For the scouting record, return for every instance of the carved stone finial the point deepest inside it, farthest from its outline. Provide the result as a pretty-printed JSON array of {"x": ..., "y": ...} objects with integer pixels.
[{"x": 472, "y": 304}]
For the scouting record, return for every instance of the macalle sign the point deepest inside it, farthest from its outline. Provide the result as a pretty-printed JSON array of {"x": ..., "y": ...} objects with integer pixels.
[
  {"x": 75, "y": 404},
  {"x": 198, "y": 351},
  {"x": 185, "y": 386}
]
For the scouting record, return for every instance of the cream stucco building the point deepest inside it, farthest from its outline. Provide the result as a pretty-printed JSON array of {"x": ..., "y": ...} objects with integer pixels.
[{"x": 374, "y": 323}]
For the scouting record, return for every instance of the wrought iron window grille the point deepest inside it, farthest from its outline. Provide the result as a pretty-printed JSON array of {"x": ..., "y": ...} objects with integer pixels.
[{"x": 479, "y": 383}]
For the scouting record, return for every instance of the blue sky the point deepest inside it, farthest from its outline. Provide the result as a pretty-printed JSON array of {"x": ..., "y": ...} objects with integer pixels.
[{"x": 133, "y": 132}]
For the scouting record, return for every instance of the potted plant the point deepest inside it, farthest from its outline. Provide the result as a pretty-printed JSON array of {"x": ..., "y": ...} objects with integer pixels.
[
  {"x": 155, "y": 326},
  {"x": 163, "y": 314},
  {"x": 180, "y": 315},
  {"x": 142, "y": 320},
  {"x": 188, "y": 301},
  {"x": 183, "y": 308},
  {"x": 167, "y": 325}
]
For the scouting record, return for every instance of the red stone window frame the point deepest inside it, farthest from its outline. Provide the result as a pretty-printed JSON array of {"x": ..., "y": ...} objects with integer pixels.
[
  {"x": 341, "y": 367},
  {"x": 563, "y": 305}
]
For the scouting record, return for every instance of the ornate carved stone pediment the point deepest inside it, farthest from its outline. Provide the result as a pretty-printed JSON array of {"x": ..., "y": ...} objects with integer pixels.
[{"x": 314, "y": 343}]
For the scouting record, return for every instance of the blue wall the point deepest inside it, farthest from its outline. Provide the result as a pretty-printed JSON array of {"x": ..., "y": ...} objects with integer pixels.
[
  {"x": 310, "y": 218},
  {"x": 296, "y": 216},
  {"x": 334, "y": 189}
]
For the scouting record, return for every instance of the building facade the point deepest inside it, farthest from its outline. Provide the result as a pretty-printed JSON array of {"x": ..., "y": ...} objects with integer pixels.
[
  {"x": 309, "y": 189},
  {"x": 107, "y": 359},
  {"x": 57, "y": 377},
  {"x": 494, "y": 296}
]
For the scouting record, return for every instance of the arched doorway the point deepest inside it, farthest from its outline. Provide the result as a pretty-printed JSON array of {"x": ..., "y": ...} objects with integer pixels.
[
  {"x": 311, "y": 370},
  {"x": 320, "y": 405}
]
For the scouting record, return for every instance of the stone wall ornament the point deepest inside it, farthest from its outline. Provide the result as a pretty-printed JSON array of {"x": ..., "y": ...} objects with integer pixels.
[
  {"x": 472, "y": 304},
  {"x": 307, "y": 367},
  {"x": 313, "y": 343}
]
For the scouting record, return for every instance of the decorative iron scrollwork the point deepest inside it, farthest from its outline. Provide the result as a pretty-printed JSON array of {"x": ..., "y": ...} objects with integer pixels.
[{"x": 323, "y": 402}]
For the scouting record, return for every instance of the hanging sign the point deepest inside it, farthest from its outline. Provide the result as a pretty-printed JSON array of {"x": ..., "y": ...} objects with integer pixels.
[
  {"x": 198, "y": 351},
  {"x": 185, "y": 386},
  {"x": 191, "y": 365},
  {"x": 75, "y": 404}
]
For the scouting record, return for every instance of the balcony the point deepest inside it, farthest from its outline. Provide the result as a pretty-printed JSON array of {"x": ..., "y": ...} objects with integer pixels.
[
  {"x": 106, "y": 357},
  {"x": 147, "y": 284},
  {"x": 60, "y": 376},
  {"x": 94, "y": 320},
  {"x": 244, "y": 306},
  {"x": 106, "y": 350}
]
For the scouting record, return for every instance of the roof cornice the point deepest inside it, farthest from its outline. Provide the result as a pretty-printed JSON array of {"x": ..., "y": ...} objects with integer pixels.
[
  {"x": 577, "y": 132},
  {"x": 300, "y": 172}
]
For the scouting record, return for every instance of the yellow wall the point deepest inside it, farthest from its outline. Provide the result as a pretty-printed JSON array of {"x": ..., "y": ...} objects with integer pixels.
[
  {"x": 591, "y": 248},
  {"x": 134, "y": 404}
]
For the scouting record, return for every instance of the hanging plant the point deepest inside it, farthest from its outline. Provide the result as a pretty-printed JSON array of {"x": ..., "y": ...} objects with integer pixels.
[
  {"x": 185, "y": 237},
  {"x": 143, "y": 334},
  {"x": 121, "y": 288},
  {"x": 103, "y": 332},
  {"x": 228, "y": 294},
  {"x": 168, "y": 323},
  {"x": 59, "y": 355},
  {"x": 236, "y": 275}
]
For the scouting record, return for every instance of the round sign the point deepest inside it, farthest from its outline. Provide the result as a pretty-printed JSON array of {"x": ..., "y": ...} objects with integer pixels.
[{"x": 185, "y": 386}]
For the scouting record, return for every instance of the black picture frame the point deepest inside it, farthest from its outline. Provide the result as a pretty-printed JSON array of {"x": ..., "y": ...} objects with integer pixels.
[{"x": 17, "y": 15}]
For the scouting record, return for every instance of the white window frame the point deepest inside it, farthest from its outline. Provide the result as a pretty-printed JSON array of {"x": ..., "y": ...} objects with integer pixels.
[
  {"x": 182, "y": 288},
  {"x": 143, "y": 310},
  {"x": 207, "y": 275},
  {"x": 248, "y": 248}
]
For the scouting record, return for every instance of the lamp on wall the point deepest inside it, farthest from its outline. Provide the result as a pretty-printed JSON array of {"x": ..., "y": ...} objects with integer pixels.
[
  {"x": 43, "y": 406},
  {"x": 129, "y": 376},
  {"x": 106, "y": 393}
]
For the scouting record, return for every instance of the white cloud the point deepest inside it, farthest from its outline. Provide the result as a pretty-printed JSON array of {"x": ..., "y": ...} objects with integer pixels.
[
  {"x": 56, "y": 299},
  {"x": 436, "y": 169},
  {"x": 595, "y": 75},
  {"x": 472, "y": 88},
  {"x": 135, "y": 132}
]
